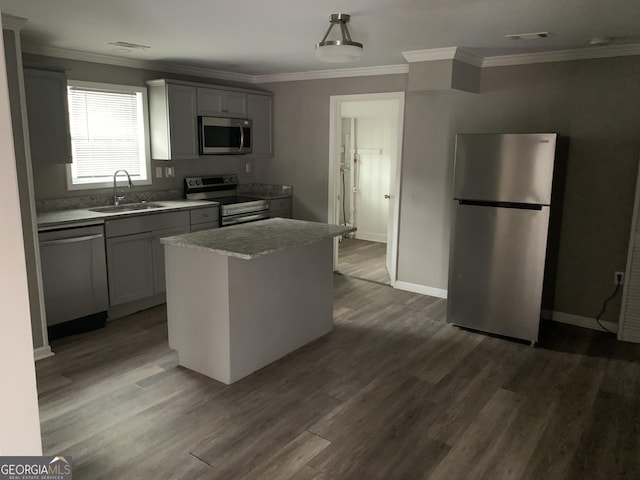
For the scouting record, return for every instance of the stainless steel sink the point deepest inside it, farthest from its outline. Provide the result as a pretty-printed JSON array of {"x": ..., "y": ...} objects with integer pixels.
[{"x": 127, "y": 207}]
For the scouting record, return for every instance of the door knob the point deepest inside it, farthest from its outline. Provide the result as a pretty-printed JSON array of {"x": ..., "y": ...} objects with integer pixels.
[{"x": 387, "y": 196}]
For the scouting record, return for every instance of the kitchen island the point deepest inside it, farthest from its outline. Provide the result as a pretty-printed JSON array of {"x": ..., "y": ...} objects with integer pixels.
[{"x": 240, "y": 297}]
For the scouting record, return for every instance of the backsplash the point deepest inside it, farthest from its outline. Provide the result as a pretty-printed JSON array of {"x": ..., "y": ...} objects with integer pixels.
[{"x": 89, "y": 201}]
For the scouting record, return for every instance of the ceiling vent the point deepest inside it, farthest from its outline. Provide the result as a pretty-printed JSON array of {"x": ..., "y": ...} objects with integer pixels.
[
  {"x": 129, "y": 45},
  {"x": 527, "y": 36}
]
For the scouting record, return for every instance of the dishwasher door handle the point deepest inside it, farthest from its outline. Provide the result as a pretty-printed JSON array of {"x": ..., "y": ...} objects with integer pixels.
[{"x": 71, "y": 240}]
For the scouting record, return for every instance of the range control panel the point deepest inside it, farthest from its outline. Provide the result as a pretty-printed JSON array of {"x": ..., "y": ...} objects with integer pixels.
[{"x": 210, "y": 185}]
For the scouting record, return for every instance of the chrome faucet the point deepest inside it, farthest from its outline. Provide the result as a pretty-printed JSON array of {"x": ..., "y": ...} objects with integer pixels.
[{"x": 118, "y": 198}]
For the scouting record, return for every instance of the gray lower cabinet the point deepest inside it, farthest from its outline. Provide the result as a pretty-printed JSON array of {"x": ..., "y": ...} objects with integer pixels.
[
  {"x": 130, "y": 267},
  {"x": 280, "y": 207},
  {"x": 205, "y": 219},
  {"x": 135, "y": 256}
]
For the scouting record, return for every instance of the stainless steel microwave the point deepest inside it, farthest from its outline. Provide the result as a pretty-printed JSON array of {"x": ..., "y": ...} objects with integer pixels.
[{"x": 224, "y": 136}]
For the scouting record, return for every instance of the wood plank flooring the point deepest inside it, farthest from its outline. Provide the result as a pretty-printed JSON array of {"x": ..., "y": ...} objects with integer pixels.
[
  {"x": 364, "y": 260},
  {"x": 392, "y": 393}
]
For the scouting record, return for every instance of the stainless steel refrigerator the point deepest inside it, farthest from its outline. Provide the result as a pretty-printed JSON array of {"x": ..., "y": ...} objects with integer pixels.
[{"x": 502, "y": 193}]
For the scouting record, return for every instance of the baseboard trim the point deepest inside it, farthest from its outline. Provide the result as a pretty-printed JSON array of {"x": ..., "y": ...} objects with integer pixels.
[
  {"x": 42, "y": 352},
  {"x": 123, "y": 310},
  {"x": 423, "y": 289},
  {"x": 371, "y": 237},
  {"x": 579, "y": 321}
]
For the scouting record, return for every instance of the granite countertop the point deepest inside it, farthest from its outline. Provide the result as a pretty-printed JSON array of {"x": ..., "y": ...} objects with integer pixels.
[
  {"x": 84, "y": 216},
  {"x": 254, "y": 239}
]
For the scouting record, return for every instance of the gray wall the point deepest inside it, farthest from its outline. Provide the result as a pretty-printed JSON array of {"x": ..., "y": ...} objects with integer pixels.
[
  {"x": 50, "y": 180},
  {"x": 595, "y": 102},
  {"x": 301, "y": 123}
]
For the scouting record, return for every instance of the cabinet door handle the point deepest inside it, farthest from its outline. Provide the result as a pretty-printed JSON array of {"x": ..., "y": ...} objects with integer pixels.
[{"x": 387, "y": 196}]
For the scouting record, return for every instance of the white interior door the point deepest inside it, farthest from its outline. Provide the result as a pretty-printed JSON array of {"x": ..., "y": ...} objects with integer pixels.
[
  {"x": 372, "y": 208},
  {"x": 375, "y": 141}
]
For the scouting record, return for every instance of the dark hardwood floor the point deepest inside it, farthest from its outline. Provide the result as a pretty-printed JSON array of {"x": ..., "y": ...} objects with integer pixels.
[
  {"x": 392, "y": 393},
  {"x": 363, "y": 259}
]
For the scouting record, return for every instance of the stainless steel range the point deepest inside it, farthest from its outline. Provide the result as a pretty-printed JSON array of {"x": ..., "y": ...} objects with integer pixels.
[{"x": 223, "y": 189}]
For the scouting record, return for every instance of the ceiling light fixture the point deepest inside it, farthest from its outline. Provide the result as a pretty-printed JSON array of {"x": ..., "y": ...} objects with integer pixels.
[{"x": 338, "y": 51}]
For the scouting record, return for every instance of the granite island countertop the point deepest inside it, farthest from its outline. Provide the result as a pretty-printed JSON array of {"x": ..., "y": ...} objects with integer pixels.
[{"x": 250, "y": 240}]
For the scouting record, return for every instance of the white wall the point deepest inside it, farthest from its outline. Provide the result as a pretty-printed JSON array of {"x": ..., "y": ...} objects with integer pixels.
[{"x": 19, "y": 419}]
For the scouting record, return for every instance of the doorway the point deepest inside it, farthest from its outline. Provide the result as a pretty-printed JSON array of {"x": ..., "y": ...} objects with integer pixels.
[{"x": 364, "y": 186}]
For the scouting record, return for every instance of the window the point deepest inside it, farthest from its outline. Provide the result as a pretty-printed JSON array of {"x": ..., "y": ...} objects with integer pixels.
[{"x": 108, "y": 133}]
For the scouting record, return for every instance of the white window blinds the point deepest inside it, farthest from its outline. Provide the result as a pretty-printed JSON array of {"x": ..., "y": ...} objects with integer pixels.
[{"x": 107, "y": 133}]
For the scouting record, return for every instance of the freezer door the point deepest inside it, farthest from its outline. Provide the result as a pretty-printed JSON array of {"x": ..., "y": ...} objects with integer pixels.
[
  {"x": 496, "y": 269},
  {"x": 505, "y": 168}
]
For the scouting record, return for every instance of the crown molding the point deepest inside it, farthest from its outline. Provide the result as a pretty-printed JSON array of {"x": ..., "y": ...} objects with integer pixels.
[
  {"x": 11, "y": 22},
  {"x": 138, "y": 63},
  {"x": 211, "y": 73},
  {"x": 468, "y": 57},
  {"x": 428, "y": 55},
  {"x": 448, "y": 53},
  {"x": 334, "y": 73},
  {"x": 587, "y": 53}
]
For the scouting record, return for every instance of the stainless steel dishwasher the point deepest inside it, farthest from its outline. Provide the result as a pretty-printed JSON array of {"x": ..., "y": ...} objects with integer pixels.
[{"x": 74, "y": 275}]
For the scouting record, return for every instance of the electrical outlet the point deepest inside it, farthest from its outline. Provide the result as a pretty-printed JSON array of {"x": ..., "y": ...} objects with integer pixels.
[
  {"x": 618, "y": 279},
  {"x": 158, "y": 172},
  {"x": 169, "y": 172},
  {"x": 247, "y": 167}
]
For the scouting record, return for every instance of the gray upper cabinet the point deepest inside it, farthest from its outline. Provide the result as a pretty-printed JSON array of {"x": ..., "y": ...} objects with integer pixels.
[
  {"x": 173, "y": 115},
  {"x": 48, "y": 116},
  {"x": 221, "y": 103},
  {"x": 260, "y": 109},
  {"x": 174, "y": 107}
]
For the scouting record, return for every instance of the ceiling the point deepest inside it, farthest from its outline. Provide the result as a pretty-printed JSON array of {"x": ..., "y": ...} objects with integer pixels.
[{"x": 256, "y": 37}]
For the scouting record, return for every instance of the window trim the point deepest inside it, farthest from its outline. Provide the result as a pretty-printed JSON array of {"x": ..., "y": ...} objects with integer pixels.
[{"x": 116, "y": 88}]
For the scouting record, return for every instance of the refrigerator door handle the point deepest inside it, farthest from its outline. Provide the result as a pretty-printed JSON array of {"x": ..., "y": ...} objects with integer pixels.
[{"x": 484, "y": 203}]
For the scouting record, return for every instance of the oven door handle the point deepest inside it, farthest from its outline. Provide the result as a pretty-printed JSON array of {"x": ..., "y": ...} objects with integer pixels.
[
  {"x": 244, "y": 219},
  {"x": 241, "y": 137}
]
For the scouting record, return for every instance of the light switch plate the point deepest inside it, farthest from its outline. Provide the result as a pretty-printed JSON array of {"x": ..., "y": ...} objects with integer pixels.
[
  {"x": 247, "y": 167},
  {"x": 158, "y": 172},
  {"x": 169, "y": 172}
]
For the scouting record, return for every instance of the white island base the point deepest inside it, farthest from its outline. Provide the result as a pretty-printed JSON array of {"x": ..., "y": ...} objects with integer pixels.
[{"x": 230, "y": 316}]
